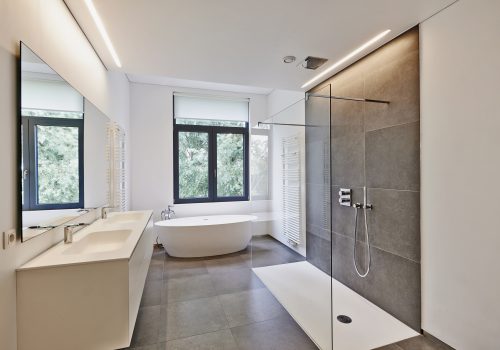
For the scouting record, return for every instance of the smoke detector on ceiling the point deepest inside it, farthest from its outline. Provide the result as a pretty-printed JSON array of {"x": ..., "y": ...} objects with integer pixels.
[{"x": 313, "y": 63}]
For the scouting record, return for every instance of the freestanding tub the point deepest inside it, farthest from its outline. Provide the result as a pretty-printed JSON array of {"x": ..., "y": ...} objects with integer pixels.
[{"x": 200, "y": 236}]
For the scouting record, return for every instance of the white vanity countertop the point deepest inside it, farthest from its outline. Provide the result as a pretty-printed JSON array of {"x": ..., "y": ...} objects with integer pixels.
[{"x": 110, "y": 239}]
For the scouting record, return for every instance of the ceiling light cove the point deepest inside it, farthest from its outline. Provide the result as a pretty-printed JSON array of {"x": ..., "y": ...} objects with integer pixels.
[
  {"x": 102, "y": 30},
  {"x": 347, "y": 58}
]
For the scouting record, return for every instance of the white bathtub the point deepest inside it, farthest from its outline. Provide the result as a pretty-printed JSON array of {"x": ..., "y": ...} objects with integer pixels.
[{"x": 205, "y": 235}]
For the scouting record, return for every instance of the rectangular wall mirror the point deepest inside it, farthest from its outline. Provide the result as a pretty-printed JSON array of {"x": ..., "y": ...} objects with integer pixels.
[{"x": 62, "y": 141}]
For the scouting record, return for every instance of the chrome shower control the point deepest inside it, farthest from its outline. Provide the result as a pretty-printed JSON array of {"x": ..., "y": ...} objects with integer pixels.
[{"x": 345, "y": 197}]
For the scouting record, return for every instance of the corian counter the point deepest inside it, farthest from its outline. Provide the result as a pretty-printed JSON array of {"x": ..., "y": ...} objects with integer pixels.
[{"x": 86, "y": 295}]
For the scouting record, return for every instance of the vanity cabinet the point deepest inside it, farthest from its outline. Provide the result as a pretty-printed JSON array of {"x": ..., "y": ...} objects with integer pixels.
[{"x": 86, "y": 305}]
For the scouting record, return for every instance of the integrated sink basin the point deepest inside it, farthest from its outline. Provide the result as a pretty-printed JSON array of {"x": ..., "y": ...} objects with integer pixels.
[{"x": 99, "y": 242}]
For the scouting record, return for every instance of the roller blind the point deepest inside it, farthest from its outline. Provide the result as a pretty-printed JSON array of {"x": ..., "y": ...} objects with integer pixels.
[
  {"x": 210, "y": 107},
  {"x": 52, "y": 95}
]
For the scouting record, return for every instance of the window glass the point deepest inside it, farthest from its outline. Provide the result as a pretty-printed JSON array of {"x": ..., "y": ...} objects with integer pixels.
[
  {"x": 259, "y": 169},
  {"x": 208, "y": 122},
  {"x": 230, "y": 165},
  {"x": 193, "y": 164},
  {"x": 57, "y": 164},
  {"x": 27, "y": 112}
]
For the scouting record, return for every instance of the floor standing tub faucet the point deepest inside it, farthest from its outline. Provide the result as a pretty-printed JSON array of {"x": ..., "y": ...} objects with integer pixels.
[{"x": 167, "y": 213}]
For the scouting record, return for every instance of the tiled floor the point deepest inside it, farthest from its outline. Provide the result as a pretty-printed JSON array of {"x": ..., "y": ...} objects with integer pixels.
[
  {"x": 216, "y": 303},
  {"x": 417, "y": 343}
]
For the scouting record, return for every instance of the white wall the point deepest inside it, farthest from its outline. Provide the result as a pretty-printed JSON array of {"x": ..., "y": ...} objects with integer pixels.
[
  {"x": 460, "y": 109},
  {"x": 48, "y": 28},
  {"x": 152, "y": 151}
]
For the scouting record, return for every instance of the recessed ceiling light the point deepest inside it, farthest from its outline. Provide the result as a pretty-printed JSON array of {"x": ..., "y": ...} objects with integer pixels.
[
  {"x": 102, "y": 30},
  {"x": 289, "y": 59},
  {"x": 347, "y": 58}
]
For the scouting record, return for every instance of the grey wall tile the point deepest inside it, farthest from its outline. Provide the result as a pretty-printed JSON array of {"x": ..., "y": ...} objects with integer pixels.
[
  {"x": 318, "y": 208},
  {"x": 393, "y": 157},
  {"x": 398, "y": 83},
  {"x": 348, "y": 155},
  {"x": 318, "y": 252},
  {"x": 394, "y": 223},
  {"x": 392, "y": 284}
]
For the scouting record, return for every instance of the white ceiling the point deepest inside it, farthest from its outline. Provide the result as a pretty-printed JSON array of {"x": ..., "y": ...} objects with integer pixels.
[{"x": 241, "y": 42}]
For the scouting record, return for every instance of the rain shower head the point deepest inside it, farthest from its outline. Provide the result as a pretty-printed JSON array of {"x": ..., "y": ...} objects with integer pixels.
[{"x": 313, "y": 63}]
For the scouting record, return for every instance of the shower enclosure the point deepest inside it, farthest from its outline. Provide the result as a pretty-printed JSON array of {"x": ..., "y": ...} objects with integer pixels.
[{"x": 314, "y": 250}]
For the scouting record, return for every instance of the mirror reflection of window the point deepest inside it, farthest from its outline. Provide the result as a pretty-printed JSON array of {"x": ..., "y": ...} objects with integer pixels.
[{"x": 52, "y": 138}]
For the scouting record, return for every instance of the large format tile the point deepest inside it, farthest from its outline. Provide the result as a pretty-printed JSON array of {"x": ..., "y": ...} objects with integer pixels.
[
  {"x": 318, "y": 155},
  {"x": 423, "y": 343},
  {"x": 348, "y": 155},
  {"x": 147, "y": 326},
  {"x": 394, "y": 79},
  {"x": 220, "y": 340},
  {"x": 393, "y": 157},
  {"x": 280, "y": 333},
  {"x": 225, "y": 264},
  {"x": 394, "y": 224},
  {"x": 318, "y": 209},
  {"x": 155, "y": 271},
  {"x": 177, "y": 268},
  {"x": 250, "y": 306},
  {"x": 188, "y": 318},
  {"x": 235, "y": 281},
  {"x": 151, "y": 295},
  {"x": 187, "y": 288},
  {"x": 318, "y": 252},
  {"x": 393, "y": 283}
]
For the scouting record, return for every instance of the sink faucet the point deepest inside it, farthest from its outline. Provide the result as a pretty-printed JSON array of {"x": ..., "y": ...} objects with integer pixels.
[
  {"x": 167, "y": 213},
  {"x": 104, "y": 212},
  {"x": 68, "y": 231}
]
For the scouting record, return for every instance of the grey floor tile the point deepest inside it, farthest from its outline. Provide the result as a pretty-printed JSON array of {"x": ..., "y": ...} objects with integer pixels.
[
  {"x": 235, "y": 281},
  {"x": 155, "y": 271},
  {"x": 225, "y": 264},
  {"x": 147, "y": 326},
  {"x": 423, "y": 343},
  {"x": 221, "y": 340},
  {"x": 389, "y": 347},
  {"x": 188, "y": 318},
  {"x": 250, "y": 306},
  {"x": 152, "y": 292},
  {"x": 187, "y": 288},
  {"x": 176, "y": 268},
  {"x": 280, "y": 333}
]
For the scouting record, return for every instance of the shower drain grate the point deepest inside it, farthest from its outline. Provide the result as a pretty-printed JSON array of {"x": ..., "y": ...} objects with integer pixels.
[{"x": 344, "y": 319}]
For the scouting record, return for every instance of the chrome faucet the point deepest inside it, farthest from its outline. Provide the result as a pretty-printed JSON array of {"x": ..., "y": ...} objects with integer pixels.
[
  {"x": 68, "y": 231},
  {"x": 167, "y": 213},
  {"x": 104, "y": 212}
]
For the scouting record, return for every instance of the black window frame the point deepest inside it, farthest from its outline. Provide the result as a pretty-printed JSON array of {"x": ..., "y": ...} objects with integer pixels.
[
  {"x": 212, "y": 131},
  {"x": 28, "y": 125}
]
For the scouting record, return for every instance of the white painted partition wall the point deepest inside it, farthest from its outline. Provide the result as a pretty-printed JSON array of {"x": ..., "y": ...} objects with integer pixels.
[
  {"x": 50, "y": 30},
  {"x": 460, "y": 109}
]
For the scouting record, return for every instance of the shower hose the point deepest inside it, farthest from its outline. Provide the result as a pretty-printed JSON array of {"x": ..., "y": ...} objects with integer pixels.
[{"x": 358, "y": 206}]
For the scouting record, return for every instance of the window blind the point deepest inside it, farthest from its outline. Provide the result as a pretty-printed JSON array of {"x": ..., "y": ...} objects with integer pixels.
[{"x": 210, "y": 107}]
